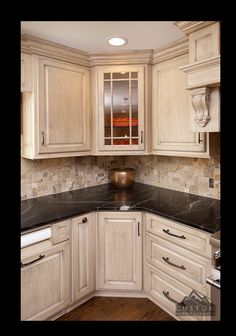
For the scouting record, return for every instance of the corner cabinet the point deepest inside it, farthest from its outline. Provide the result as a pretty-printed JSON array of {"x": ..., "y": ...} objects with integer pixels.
[
  {"x": 171, "y": 135},
  {"x": 56, "y": 121},
  {"x": 120, "y": 109},
  {"x": 120, "y": 251}
]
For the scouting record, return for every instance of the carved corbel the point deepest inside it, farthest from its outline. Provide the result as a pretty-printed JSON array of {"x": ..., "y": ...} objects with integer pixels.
[{"x": 200, "y": 102}]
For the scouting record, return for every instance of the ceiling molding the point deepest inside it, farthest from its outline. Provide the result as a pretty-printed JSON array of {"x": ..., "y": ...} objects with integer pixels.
[
  {"x": 35, "y": 45},
  {"x": 171, "y": 50},
  {"x": 121, "y": 57},
  {"x": 189, "y": 27}
]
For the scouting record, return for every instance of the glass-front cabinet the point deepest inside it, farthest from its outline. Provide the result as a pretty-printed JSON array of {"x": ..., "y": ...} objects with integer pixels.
[{"x": 121, "y": 108}]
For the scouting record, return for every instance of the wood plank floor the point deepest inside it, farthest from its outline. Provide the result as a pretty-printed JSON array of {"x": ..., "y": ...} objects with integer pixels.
[{"x": 117, "y": 309}]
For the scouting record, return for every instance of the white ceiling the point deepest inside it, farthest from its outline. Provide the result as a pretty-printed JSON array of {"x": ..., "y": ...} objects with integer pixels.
[{"x": 91, "y": 36}]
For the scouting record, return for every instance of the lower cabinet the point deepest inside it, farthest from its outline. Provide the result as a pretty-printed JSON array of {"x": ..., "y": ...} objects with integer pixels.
[
  {"x": 120, "y": 250},
  {"x": 83, "y": 256},
  {"x": 45, "y": 287},
  {"x": 172, "y": 272}
]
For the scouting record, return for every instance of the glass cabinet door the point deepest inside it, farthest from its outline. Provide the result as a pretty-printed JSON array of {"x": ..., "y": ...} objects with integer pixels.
[{"x": 123, "y": 126}]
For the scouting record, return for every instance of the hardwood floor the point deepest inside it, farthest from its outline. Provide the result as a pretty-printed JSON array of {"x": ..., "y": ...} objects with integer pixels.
[{"x": 117, "y": 309}]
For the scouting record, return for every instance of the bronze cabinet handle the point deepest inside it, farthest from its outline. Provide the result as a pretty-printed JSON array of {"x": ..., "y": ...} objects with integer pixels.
[
  {"x": 166, "y": 294},
  {"x": 170, "y": 263},
  {"x": 174, "y": 235},
  {"x": 41, "y": 256},
  {"x": 138, "y": 229}
]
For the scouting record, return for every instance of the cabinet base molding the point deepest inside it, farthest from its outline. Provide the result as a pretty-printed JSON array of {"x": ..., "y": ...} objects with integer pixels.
[{"x": 121, "y": 294}]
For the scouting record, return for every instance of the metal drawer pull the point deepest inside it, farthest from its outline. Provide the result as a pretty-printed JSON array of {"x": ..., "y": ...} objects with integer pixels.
[
  {"x": 170, "y": 263},
  {"x": 33, "y": 261},
  {"x": 166, "y": 294},
  {"x": 84, "y": 220},
  {"x": 172, "y": 234},
  {"x": 138, "y": 229}
]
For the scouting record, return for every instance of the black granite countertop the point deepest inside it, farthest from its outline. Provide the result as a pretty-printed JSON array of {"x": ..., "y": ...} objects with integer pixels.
[{"x": 195, "y": 211}]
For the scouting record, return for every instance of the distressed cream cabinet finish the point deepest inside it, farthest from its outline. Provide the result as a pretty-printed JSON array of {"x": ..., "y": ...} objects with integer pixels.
[
  {"x": 203, "y": 74},
  {"x": 83, "y": 245},
  {"x": 120, "y": 251},
  {"x": 26, "y": 73},
  {"x": 177, "y": 261},
  {"x": 45, "y": 287},
  {"x": 170, "y": 110},
  {"x": 58, "y": 113}
]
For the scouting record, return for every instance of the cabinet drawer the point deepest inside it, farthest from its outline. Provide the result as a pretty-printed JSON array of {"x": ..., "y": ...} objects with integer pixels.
[
  {"x": 183, "y": 265},
  {"x": 163, "y": 288},
  {"x": 192, "y": 239},
  {"x": 60, "y": 231}
]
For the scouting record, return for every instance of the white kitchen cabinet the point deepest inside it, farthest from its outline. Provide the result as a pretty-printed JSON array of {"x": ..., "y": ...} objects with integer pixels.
[
  {"x": 120, "y": 251},
  {"x": 26, "y": 73},
  {"x": 56, "y": 116},
  {"x": 203, "y": 74},
  {"x": 45, "y": 274},
  {"x": 171, "y": 135},
  {"x": 83, "y": 256},
  {"x": 120, "y": 109},
  {"x": 177, "y": 262}
]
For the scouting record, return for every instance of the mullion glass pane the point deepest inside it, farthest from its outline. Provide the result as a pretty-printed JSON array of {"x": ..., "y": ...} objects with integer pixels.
[{"x": 121, "y": 109}]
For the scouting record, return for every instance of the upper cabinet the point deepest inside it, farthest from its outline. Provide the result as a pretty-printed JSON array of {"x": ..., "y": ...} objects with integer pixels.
[
  {"x": 203, "y": 74},
  {"x": 170, "y": 106},
  {"x": 56, "y": 119},
  {"x": 121, "y": 107}
]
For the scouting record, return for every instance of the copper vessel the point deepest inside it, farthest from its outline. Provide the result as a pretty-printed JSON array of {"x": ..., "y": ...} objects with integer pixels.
[{"x": 122, "y": 178}]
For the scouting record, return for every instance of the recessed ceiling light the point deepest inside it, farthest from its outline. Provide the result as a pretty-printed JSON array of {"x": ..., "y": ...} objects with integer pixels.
[{"x": 117, "y": 41}]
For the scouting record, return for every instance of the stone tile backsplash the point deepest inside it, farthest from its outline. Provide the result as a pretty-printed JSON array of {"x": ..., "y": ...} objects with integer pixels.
[
  {"x": 49, "y": 176},
  {"x": 192, "y": 175}
]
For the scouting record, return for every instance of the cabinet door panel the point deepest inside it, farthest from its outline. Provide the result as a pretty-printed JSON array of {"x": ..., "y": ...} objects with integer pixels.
[
  {"x": 44, "y": 284},
  {"x": 120, "y": 251},
  {"x": 83, "y": 256},
  {"x": 171, "y": 110},
  {"x": 63, "y": 99},
  {"x": 121, "y": 108}
]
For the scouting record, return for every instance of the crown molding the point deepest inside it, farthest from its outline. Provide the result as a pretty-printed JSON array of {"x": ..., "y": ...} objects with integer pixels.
[
  {"x": 121, "y": 57},
  {"x": 35, "y": 45},
  {"x": 171, "y": 50},
  {"x": 203, "y": 73},
  {"x": 189, "y": 27}
]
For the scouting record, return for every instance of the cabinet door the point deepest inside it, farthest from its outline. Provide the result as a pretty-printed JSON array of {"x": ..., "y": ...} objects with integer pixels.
[
  {"x": 121, "y": 108},
  {"x": 64, "y": 107},
  {"x": 45, "y": 282},
  {"x": 171, "y": 135},
  {"x": 83, "y": 256},
  {"x": 120, "y": 250}
]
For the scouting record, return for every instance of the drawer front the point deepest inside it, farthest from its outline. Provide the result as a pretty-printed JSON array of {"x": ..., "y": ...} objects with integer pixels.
[
  {"x": 181, "y": 264},
  {"x": 192, "y": 239},
  {"x": 60, "y": 231},
  {"x": 163, "y": 290}
]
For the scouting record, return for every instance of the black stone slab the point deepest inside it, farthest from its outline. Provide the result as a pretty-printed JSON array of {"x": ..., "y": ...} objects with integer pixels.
[{"x": 195, "y": 211}]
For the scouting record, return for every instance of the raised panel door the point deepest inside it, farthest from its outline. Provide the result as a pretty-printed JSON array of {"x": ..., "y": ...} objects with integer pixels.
[
  {"x": 45, "y": 283},
  {"x": 83, "y": 256},
  {"x": 64, "y": 107},
  {"x": 171, "y": 135},
  {"x": 120, "y": 251}
]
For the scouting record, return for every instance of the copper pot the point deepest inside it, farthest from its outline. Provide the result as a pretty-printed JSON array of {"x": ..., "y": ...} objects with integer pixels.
[{"x": 123, "y": 178}]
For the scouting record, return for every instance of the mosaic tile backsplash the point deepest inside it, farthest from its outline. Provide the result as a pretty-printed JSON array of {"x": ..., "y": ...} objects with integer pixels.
[{"x": 49, "y": 176}]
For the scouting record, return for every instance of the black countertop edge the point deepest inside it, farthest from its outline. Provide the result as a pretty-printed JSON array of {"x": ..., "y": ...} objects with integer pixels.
[{"x": 195, "y": 211}]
